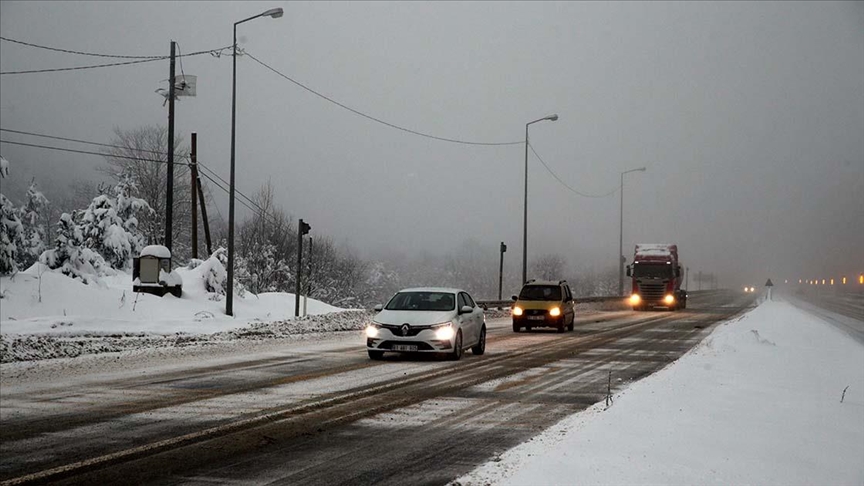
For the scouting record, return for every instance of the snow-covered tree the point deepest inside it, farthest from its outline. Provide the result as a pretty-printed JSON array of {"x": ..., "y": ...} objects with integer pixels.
[
  {"x": 70, "y": 254},
  {"x": 110, "y": 227},
  {"x": 33, "y": 216},
  {"x": 11, "y": 236},
  {"x": 11, "y": 229}
]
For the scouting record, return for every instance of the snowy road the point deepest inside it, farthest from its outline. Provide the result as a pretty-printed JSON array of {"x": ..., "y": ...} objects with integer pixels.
[{"x": 322, "y": 413}]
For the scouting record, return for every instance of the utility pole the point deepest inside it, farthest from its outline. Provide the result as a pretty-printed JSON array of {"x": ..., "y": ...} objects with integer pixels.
[
  {"x": 169, "y": 193},
  {"x": 194, "y": 173},
  {"x": 501, "y": 269},
  {"x": 687, "y": 282},
  {"x": 302, "y": 229},
  {"x": 699, "y": 279}
]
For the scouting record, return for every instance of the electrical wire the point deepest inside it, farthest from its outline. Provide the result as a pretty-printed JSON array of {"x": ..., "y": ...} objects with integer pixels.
[
  {"x": 377, "y": 120},
  {"x": 32, "y": 134},
  {"x": 575, "y": 191},
  {"x": 214, "y": 52},
  {"x": 67, "y": 51},
  {"x": 62, "y": 149}
]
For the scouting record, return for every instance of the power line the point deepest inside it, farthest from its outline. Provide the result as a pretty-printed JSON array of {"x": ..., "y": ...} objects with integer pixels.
[
  {"x": 214, "y": 52},
  {"x": 577, "y": 192},
  {"x": 68, "y": 51},
  {"x": 378, "y": 120},
  {"x": 32, "y": 134},
  {"x": 62, "y": 149}
]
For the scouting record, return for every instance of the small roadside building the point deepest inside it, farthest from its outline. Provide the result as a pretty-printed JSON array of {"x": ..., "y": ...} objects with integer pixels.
[{"x": 152, "y": 273}]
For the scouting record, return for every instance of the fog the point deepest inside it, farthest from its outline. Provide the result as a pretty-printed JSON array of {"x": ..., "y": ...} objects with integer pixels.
[{"x": 749, "y": 118}]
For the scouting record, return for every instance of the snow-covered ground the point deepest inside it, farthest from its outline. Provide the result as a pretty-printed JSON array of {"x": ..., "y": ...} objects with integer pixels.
[
  {"x": 45, "y": 314},
  {"x": 757, "y": 402}
]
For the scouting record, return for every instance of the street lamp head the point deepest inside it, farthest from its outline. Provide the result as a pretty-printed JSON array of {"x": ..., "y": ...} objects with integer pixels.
[
  {"x": 642, "y": 169},
  {"x": 273, "y": 12},
  {"x": 552, "y": 117}
]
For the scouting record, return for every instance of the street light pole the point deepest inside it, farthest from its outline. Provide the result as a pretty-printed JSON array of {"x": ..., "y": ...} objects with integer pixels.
[
  {"x": 229, "y": 302},
  {"x": 621, "y": 233},
  {"x": 525, "y": 211}
]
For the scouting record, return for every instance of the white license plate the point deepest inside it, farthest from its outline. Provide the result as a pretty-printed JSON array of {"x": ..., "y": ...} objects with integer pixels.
[
  {"x": 536, "y": 318},
  {"x": 404, "y": 347}
]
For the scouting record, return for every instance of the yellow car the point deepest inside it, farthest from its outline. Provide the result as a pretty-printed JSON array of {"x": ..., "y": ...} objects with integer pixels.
[{"x": 544, "y": 304}]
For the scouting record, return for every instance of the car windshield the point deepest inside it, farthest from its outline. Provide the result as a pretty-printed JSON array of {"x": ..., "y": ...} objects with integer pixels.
[
  {"x": 422, "y": 301},
  {"x": 660, "y": 270},
  {"x": 540, "y": 292}
]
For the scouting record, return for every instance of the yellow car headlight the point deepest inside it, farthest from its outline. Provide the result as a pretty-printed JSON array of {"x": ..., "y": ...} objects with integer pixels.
[
  {"x": 517, "y": 311},
  {"x": 635, "y": 299},
  {"x": 555, "y": 312},
  {"x": 372, "y": 331},
  {"x": 669, "y": 299}
]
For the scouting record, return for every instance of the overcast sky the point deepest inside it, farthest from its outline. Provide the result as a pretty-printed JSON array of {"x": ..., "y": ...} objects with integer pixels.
[{"x": 748, "y": 116}]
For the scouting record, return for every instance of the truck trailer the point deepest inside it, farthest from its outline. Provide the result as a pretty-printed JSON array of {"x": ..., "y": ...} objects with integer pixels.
[{"x": 656, "y": 274}]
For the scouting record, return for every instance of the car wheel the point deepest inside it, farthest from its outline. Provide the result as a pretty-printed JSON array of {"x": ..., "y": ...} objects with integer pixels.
[
  {"x": 480, "y": 347},
  {"x": 457, "y": 347},
  {"x": 572, "y": 321},
  {"x": 560, "y": 328},
  {"x": 376, "y": 355},
  {"x": 516, "y": 327}
]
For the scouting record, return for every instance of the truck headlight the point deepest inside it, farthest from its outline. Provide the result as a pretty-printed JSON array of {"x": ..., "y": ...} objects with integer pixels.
[
  {"x": 669, "y": 299},
  {"x": 444, "y": 332},
  {"x": 517, "y": 311},
  {"x": 555, "y": 312},
  {"x": 372, "y": 330},
  {"x": 635, "y": 299}
]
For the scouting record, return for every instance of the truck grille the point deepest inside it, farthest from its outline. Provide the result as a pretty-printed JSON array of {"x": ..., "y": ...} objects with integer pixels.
[{"x": 652, "y": 290}]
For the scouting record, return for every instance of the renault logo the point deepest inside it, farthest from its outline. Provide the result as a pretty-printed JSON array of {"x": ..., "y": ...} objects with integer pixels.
[{"x": 405, "y": 329}]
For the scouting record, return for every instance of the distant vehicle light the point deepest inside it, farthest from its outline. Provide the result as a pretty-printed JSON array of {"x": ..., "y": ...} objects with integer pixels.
[
  {"x": 517, "y": 311},
  {"x": 832, "y": 281},
  {"x": 669, "y": 299},
  {"x": 844, "y": 280},
  {"x": 635, "y": 299},
  {"x": 746, "y": 289},
  {"x": 555, "y": 312}
]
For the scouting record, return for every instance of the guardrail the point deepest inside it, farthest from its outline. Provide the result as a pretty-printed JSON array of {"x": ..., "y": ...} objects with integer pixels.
[{"x": 486, "y": 304}]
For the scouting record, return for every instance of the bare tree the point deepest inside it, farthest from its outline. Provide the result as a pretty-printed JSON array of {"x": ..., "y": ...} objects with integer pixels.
[
  {"x": 142, "y": 153},
  {"x": 550, "y": 266}
]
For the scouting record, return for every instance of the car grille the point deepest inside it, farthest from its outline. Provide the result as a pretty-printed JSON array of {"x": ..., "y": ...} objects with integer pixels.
[
  {"x": 397, "y": 329},
  {"x": 653, "y": 290}
]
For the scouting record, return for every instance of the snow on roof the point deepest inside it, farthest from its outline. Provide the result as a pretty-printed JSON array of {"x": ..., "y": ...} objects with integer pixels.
[
  {"x": 157, "y": 251},
  {"x": 656, "y": 249}
]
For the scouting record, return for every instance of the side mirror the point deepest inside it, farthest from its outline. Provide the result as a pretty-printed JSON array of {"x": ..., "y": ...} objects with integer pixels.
[
  {"x": 379, "y": 308},
  {"x": 515, "y": 298},
  {"x": 679, "y": 271},
  {"x": 629, "y": 271},
  {"x": 466, "y": 309}
]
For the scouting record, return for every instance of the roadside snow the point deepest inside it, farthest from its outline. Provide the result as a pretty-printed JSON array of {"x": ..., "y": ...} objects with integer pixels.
[
  {"x": 44, "y": 315},
  {"x": 757, "y": 402}
]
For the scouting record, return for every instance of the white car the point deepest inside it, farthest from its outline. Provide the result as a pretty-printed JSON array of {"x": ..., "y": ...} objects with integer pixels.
[{"x": 427, "y": 320}]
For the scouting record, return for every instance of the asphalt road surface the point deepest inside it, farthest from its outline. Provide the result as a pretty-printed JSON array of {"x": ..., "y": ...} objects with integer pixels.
[{"x": 325, "y": 414}]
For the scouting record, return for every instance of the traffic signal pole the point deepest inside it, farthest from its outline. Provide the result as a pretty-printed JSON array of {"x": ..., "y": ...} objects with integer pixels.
[{"x": 302, "y": 229}]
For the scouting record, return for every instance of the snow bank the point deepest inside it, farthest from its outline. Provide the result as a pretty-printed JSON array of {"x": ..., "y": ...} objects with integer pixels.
[
  {"x": 43, "y": 302},
  {"x": 757, "y": 402}
]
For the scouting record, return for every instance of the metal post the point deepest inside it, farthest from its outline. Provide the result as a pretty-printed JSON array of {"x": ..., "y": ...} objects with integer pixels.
[
  {"x": 169, "y": 193},
  {"x": 299, "y": 269},
  {"x": 687, "y": 283},
  {"x": 503, "y": 248},
  {"x": 229, "y": 302},
  {"x": 621, "y": 241},
  {"x": 194, "y": 173},
  {"x": 525, "y": 216}
]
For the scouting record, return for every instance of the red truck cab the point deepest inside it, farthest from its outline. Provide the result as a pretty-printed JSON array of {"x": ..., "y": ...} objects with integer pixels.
[{"x": 656, "y": 274}]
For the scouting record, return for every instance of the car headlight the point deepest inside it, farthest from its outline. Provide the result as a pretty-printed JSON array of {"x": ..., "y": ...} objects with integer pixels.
[
  {"x": 517, "y": 311},
  {"x": 372, "y": 330},
  {"x": 444, "y": 332},
  {"x": 635, "y": 299},
  {"x": 555, "y": 312},
  {"x": 669, "y": 299}
]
